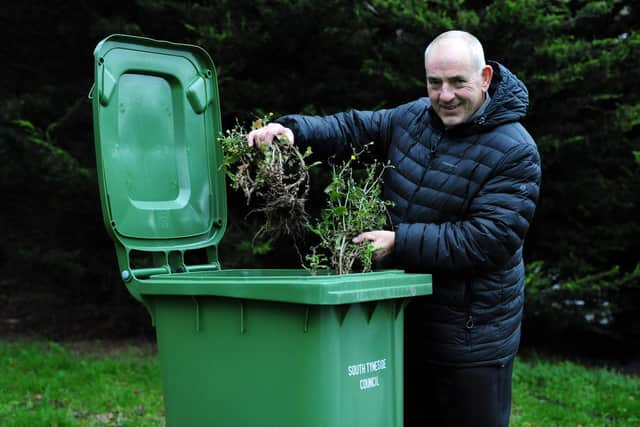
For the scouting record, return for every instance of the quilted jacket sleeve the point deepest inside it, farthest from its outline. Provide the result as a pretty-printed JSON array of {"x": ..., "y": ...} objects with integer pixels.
[
  {"x": 337, "y": 134},
  {"x": 492, "y": 231}
]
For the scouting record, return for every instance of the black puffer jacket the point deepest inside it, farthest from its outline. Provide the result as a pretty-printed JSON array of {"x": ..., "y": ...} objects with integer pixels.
[{"x": 464, "y": 198}]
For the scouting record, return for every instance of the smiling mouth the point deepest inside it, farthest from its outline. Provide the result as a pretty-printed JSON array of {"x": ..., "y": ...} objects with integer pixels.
[{"x": 449, "y": 107}]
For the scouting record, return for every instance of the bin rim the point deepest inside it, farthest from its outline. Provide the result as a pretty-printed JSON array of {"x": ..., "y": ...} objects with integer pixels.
[{"x": 290, "y": 285}]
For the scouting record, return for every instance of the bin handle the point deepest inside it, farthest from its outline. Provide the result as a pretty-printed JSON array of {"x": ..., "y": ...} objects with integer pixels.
[{"x": 145, "y": 273}]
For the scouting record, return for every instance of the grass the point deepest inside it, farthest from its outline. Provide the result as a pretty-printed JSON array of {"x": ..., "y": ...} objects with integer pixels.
[
  {"x": 52, "y": 385},
  {"x": 550, "y": 393},
  {"x": 95, "y": 384}
]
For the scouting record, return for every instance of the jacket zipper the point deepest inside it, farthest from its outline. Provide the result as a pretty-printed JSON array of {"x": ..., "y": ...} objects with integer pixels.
[
  {"x": 469, "y": 324},
  {"x": 434, "y": 147}
]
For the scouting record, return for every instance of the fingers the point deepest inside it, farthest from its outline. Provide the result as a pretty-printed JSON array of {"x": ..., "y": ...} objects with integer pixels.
[
  {"x": 265, "y": 134},
  {"x": 383, "y": 241},
  {"x": 259, "y": 137},
  {"x": 251, "y": 138},
  {"x": 377, "y": 237},
  {"x": 289, "y": 134},
  {"x": 367, "y": 235}
]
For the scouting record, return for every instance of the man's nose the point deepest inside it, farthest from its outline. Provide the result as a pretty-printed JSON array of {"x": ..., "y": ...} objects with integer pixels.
[{"x": 447, "y": 93}]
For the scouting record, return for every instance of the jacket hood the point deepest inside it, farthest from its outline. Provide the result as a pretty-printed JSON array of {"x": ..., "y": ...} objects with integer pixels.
[{"x": 509, "y": 97}]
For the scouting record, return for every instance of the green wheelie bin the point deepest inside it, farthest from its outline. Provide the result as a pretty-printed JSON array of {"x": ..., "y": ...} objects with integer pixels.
[{"x": 238, "y": 347}]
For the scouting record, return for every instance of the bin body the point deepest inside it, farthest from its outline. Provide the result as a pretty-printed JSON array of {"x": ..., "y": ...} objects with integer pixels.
[
  {"x": 237, "y": 348},
  {"x": 250, "y": 363},
  {"x": 323, "y": 351}
]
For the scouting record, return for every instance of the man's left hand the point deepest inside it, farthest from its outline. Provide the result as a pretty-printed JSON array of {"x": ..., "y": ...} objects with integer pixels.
[{"x": 382, "y": 240}]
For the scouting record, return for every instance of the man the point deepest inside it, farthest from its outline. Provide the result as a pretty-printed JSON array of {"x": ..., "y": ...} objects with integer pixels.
[{"x": 465, "y": 183}]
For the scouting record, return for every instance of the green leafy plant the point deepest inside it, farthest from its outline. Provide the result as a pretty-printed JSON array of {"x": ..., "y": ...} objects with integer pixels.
[
  {"x": 275, "y": 175},
  {"x": 354, "y": 205}
]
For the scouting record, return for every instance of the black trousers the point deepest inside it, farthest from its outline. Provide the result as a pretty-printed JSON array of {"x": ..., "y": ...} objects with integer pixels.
[{"x": 437, "y": 396}]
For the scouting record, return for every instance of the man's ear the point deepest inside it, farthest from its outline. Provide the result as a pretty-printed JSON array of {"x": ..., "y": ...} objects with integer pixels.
[{"x": 486, "y": 74}]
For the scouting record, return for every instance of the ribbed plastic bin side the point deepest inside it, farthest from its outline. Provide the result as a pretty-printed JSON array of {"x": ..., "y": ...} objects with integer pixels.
[{"x": 318, "y": 352}]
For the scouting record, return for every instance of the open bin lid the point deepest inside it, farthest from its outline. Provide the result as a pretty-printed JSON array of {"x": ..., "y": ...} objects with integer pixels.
[{"x": 156, "y": 114}]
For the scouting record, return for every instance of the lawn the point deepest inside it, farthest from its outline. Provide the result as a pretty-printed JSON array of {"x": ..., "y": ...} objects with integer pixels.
[
  {"x": 561, "y": 393},
  {"x": 46, "y": 384},
  {"x": 50, "y": 384}
]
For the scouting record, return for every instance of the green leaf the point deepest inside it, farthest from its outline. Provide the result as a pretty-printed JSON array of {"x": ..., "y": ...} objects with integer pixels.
[
  {"x": 340, "y": 210},
  {"x": 25, "y": 124},
  {"x": 262, "y": 248}
]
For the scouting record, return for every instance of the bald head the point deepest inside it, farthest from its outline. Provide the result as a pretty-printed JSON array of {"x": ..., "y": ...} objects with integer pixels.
[{"x": 458, "y": 40}]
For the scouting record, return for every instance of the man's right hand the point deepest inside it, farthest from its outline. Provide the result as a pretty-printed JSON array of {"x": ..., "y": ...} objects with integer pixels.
[{"x": 265, "y": 134}]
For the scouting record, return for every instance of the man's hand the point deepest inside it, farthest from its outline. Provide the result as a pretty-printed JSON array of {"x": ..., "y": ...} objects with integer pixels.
[
  {"x": 382, "y": 240},
  {"x": 265, "y": 134}
]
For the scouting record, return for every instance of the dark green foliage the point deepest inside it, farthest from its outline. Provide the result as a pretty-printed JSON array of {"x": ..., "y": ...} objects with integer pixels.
[
  {"x": 353, "y": 205},
  {"x": 592, "y": 301},
  {"x": 583, "y": 110},
  {"x": 579, "y": 59}
]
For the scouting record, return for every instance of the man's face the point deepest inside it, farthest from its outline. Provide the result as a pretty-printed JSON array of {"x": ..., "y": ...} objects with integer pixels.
[{"x": 455, "y": 84}]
